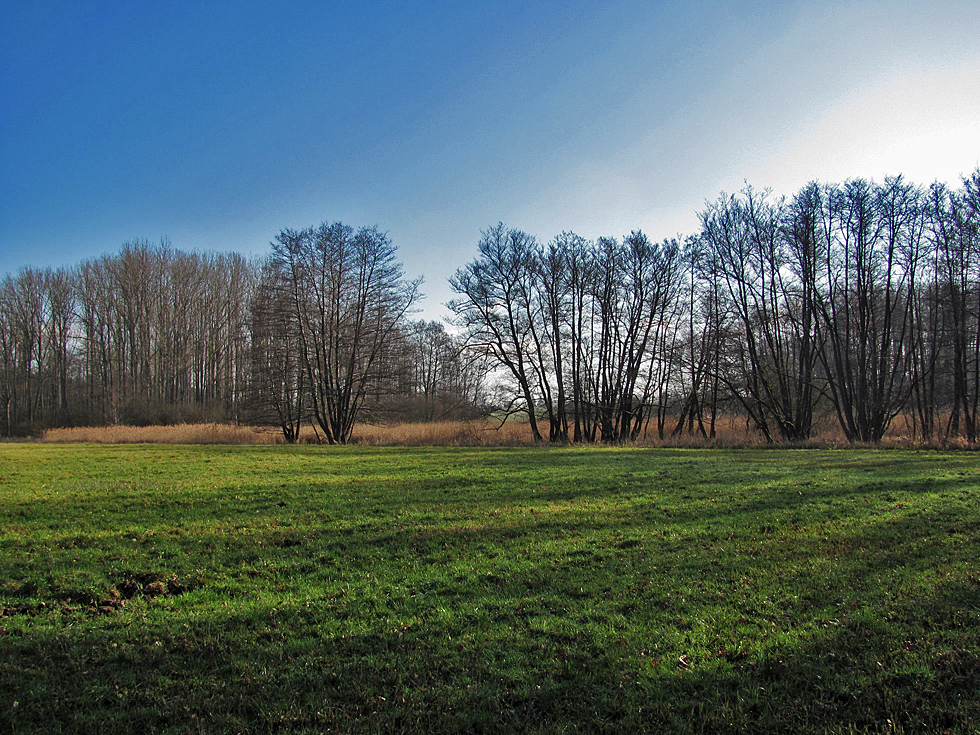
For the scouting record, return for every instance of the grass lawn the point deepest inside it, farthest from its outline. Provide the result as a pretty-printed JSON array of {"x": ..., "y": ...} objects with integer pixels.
[{"x": 309, "y": 589}]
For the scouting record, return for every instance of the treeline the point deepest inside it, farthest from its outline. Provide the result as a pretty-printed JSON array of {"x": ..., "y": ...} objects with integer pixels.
[
  {"x": 153, "y": 335},
  {"x": 854, "y": 303},
  {"x": 858, "y": 301},
  {"x": 149, "y": 335}
]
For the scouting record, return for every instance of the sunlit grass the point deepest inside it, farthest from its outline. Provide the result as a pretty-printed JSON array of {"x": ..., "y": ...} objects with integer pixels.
[{"x": 307, "y": 589}]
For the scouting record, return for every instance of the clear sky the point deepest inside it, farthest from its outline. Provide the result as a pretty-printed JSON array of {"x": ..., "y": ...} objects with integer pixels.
[{"x": 217, "y": 124}]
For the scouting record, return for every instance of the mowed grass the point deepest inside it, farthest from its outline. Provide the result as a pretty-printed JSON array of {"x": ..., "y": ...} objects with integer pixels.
[{"x": 310, "y": 589}]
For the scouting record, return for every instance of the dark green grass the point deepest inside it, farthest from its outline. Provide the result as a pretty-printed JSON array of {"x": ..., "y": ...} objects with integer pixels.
[{"x": 272, "y": 589}]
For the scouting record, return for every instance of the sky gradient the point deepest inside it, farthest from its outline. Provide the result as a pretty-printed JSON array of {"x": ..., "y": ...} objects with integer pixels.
[{"x": 216, "y": 125}]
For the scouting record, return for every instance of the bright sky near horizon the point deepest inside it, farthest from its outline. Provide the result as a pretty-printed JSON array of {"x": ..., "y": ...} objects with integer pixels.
[{"x": 218, "y": 124}]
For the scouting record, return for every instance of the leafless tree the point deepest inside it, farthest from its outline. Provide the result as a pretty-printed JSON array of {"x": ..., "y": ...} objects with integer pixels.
[
  {"x": 769, "y": 363},
  {"x": 277, "y": 370},
  {"x": 494, "y": 310},
  {"x": 348, "y": 294},
  {"x": 440, "y": 378},
  {"x": 635, "y": 294},
  {"x": 702, "y": 333},
  {"x": 948, "y": 327},
  {"x": 864, "y": 301}
]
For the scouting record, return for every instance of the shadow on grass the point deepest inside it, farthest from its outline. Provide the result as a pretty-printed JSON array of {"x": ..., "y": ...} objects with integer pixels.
[
  {"x": 275, "y": 669},
  {"x": 885, "y": 648}
]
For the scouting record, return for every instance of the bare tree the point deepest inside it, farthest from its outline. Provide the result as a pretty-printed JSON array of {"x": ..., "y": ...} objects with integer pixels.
[
  {"x": 277, "y": 370},
  {"x": 635, "y": 294},
  {"x": 61, "y": 344},
  {"x": 701, "y": 333},
  {"x": 494, "y": 310},
  {"x": 864, "y": 302},
  {"x": 23, "y": 299},
  {"x": 348, "y": 295},
  {"x": 948, "y": 326},
  {"x": 9, "y": 355},
  {"x": 769, "y": 363},
  {"x": 440, "y": 378}
]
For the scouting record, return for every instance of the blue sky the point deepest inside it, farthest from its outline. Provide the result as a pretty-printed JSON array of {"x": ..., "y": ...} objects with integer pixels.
[{"x": 218, "y": 124}]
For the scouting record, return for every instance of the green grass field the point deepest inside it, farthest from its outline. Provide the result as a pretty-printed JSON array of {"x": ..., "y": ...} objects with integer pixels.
[{"x": 307, "y": 589}]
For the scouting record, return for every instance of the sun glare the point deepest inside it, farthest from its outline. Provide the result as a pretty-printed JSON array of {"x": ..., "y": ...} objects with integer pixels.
[{"x": 919, "y": 124}]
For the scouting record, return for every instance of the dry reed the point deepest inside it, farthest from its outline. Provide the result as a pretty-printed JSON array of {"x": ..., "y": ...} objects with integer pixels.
[
  {"x": 445, "y": 434},
  {"x": 730, "y": 433},
  {"x": 177, "y": 434}
]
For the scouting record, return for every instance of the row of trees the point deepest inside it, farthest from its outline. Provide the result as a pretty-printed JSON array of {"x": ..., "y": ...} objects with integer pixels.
[
  {"x": 580, "y": 328},
  {"x": 864, "y": 297},
  {"x": 857, "y": 303},
  {"x": 319, "y": 332},
  {"x": 860, "y": 301},
  {"x": 144, "y": 336}
]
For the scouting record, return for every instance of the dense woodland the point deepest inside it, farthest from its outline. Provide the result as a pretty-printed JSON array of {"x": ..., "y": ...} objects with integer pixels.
[{"x": 854, "y": 303}]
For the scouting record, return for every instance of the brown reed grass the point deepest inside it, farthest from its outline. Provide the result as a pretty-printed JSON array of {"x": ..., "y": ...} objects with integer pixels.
[
  {"x": 732, "y": 432},
  {"x": 177, "y": 434},
  {"x": 446, "y": 434}
]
